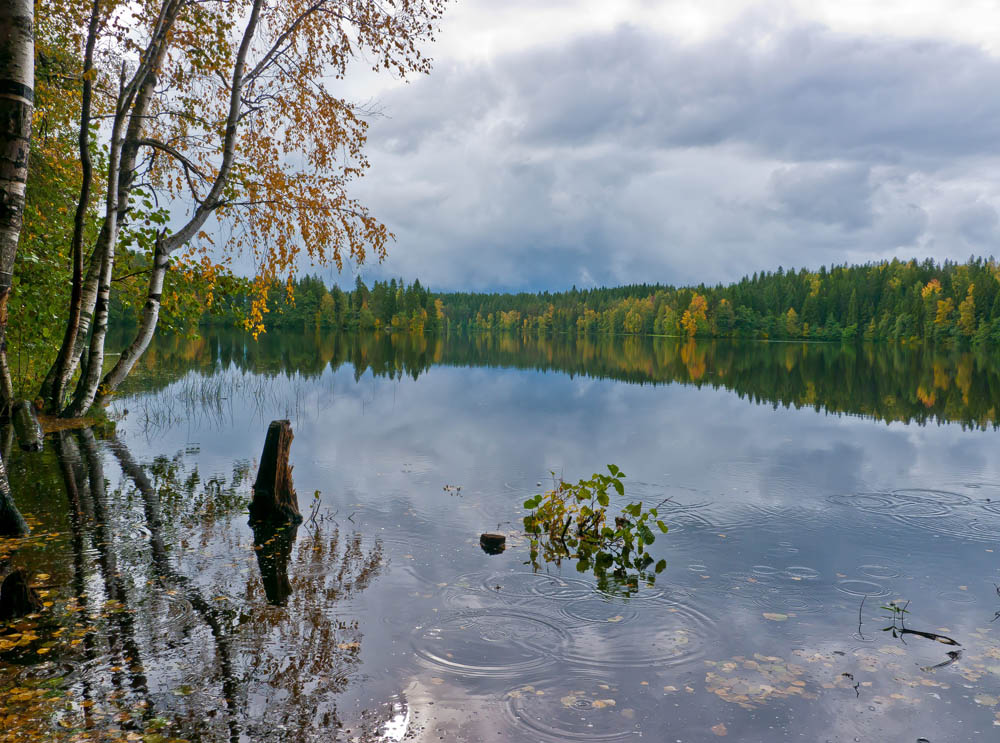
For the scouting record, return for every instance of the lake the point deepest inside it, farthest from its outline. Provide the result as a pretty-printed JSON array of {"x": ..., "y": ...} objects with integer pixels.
[{"x": 805, "y": 486}]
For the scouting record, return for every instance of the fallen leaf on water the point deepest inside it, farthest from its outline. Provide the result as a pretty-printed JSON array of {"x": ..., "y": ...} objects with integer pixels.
[
  {"x": 775, "y": 617},
  {"x": 720, "y": 729}
]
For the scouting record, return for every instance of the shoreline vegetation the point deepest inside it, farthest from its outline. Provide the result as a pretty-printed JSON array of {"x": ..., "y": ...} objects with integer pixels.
[
  {"x": 945, "y": 304},
  {"x": 888, "y": 300}
]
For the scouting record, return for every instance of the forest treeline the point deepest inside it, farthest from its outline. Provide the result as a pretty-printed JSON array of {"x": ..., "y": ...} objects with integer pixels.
[{"x": 888, "y": 300}]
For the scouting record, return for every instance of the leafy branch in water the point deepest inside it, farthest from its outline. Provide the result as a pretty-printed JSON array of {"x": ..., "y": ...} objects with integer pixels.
[{"x": 572, "y": 522}]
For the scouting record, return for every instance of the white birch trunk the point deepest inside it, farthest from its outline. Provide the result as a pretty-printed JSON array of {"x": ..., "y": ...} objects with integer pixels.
[
  {"x": 150, "y": 316},
  {"x": 91, "y": 375},
  {"x": 17, "y": 79}
]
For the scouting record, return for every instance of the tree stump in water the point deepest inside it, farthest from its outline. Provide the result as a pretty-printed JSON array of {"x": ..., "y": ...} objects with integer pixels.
[
  {"x": 26, "y": 426},
  {"x": 17, "y": 598},
  {"x": 274, "y": 498}
]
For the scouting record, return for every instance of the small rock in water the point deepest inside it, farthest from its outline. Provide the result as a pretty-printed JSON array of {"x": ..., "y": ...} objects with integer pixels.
[{"x": 492, "y": 542}]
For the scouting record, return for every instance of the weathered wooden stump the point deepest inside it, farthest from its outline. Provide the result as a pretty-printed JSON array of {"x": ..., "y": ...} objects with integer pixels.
[
  {"x": 17, "y": 598},
  {"x": 26, "y": 426},
  {"x": 274, "y": 498}
]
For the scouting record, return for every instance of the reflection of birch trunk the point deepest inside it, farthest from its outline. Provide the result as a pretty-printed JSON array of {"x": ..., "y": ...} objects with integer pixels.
[
  {"x": 12, "y": 523},
  {"x": 103, "y": 543},
  {"x": 72, "y": 471},
  {"x": 161, "y": 565}
]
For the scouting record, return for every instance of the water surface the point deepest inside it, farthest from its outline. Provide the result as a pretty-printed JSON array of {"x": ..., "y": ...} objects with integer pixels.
[{"x": 806, "y": 486}]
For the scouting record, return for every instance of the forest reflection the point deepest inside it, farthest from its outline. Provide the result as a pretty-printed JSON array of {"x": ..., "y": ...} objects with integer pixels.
[
  {"x": 164, "y": 620},
  {"x": 883, "y": 381}
]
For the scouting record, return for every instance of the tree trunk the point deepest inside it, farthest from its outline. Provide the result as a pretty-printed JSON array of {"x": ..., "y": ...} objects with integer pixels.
[
  {"x": 26, "y": 426},
  {"x": 147, "y": 326},
  {"x": 274, "y": 498},
  {"x": 6, "y": 386},
  {"x": 17, "y": 96},
  {"x": 61, "y": 369},
  {"x": 54, "y": 398},
  {"x": 90, "y": 376},
  {"x": 17, "y": 76}
]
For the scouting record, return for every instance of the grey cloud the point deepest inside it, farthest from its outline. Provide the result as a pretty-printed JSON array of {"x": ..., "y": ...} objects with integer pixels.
[
  {"x": 628, "y": 157},
  {"x": 978, "y": 223},
  {"x": 811, "y": 93},
  {"x": 830, "y": 193}
]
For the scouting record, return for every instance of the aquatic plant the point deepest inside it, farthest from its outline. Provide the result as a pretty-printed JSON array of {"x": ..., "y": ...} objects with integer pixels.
[{"x": 571, "y": 521}]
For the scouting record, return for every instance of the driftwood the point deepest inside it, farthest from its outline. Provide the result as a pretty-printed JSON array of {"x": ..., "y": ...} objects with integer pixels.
[
  {"x": 26, "y": 426},
  {"x": 17, "y": 598},
  {"x": 274, "y": 498}
]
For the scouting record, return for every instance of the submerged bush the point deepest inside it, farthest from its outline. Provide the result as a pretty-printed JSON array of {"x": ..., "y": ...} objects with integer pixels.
[{"x": 572, "y": 521}]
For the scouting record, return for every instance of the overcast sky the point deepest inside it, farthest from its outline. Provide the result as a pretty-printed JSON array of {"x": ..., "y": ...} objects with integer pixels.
[{"x": 588, "y": 142}]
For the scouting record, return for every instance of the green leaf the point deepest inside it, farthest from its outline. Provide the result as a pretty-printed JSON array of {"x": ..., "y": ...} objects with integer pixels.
[
  {"x": 663, "y": 527},
  {"x": 617, "y": 484},
  {"x": 661, "y": 566},
  {"x": 646, "y": 533},
  {"x": 603, "y": 499},
  {"x": 613, "y": 469}
]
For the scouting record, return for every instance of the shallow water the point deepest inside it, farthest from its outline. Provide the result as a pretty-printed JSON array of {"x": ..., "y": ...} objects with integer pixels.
[{"x": 807, "y": 486}]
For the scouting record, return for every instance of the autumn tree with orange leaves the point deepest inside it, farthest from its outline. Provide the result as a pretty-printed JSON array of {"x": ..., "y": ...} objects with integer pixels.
[{"x": 217, "y": 113}]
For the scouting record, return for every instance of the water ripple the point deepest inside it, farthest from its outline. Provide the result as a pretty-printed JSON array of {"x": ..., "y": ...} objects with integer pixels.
[
  {"x": 673, "y": 634},
  {"x": 497, "y": 643},
  {"x": 572, "y": 707},
  {"x": 939, "y": 511}
]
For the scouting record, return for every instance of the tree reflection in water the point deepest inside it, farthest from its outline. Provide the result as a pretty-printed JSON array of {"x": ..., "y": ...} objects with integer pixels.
[
  {"x": 884, "y": 381},
  {"x": 177, "y": 625}
]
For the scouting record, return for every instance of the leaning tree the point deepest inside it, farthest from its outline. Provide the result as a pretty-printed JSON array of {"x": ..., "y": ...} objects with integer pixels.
[{"x": 222, "y": 130}]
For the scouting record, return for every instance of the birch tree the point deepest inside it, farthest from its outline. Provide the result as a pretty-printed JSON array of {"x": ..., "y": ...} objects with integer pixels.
[
  {"x": 227, "y": 115},
  {"x": 17, "y": 77}
]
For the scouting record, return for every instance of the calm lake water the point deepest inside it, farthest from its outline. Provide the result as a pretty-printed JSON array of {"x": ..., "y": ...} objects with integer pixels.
[{"x": 807, "y": 486}]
